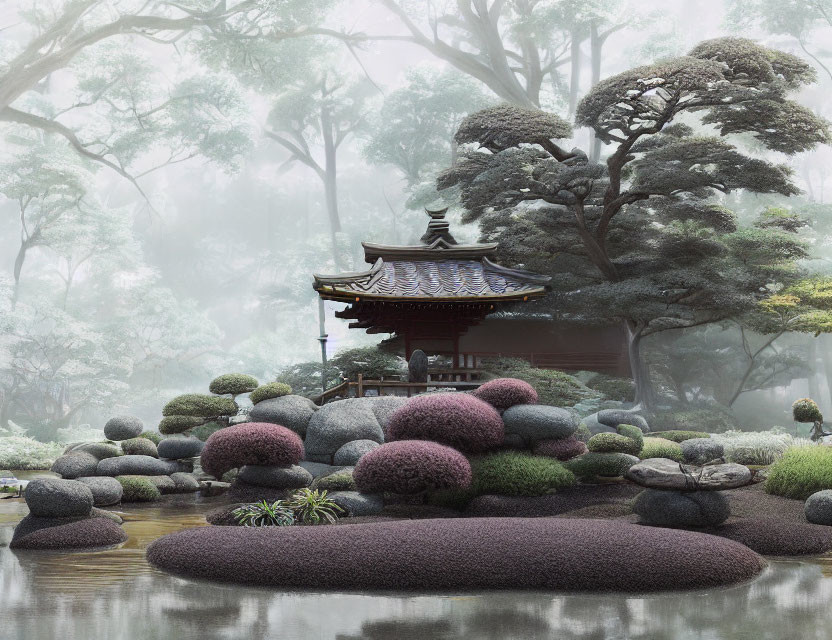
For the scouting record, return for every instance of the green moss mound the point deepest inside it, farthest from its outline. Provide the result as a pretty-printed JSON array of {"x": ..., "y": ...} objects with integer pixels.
[
  {"x": 612, "y": 443},
  {"x": 801, "y": 472},
  {"x": 633, "y": 433},
  {"x": 138, "y": 489},
  {"x": 139, "y": 447},
  {"x": 270, "y": 390},
  {"x": 233, "y": 383},
  {"x": 338, "y": 481},
  {"x": 594, "y": 464},
  {"x": 178, "y": 424},
  {"x": 553, "y": 387},
  {"x": 200, "y": 405},
  {"x": 511, "y": 473},
  {"x": 661, "y": 448},
  {"x": 679, "y": 436},
  {"x": 154, "y": 436}
]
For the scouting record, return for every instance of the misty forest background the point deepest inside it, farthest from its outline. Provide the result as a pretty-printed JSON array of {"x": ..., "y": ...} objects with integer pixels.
[{"x": 172, "y": 173}]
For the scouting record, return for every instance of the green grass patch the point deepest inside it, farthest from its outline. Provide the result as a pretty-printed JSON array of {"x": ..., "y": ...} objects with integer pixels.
[
  {"x": 801, "y": 472},
  {"x": 661, "y": 448}
]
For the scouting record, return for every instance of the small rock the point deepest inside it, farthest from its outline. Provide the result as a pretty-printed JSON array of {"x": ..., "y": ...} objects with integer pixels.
[
  {"x": 357, "y": 504},
  {"x": 661, "y": 473},
  {"x": 54, "y": 498},
  {"x": 615, "y": 417},
  {"x": 75, "y": 464},
  {"x": 682, "y": 508},
  {"x": 180, "y": 447},
  {"x": 351, "y": 453},
  {"x": 123, "y": 428},
  {"x": 535, "y": 422}
]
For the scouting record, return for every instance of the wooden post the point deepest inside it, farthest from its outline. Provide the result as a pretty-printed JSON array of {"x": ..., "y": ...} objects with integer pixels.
[{"x": 360, "y": 392}]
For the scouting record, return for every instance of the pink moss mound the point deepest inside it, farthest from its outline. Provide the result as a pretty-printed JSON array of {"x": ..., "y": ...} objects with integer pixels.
[
  {"x": 61, "y": 534},
  {"x": 503, "y": 393},
  {"x": 562, "y": 449},
  {"x": 458, "y": 420},
  {"x": 412, "y": 466},
  {"x": 777, "y": 537},
  {"x": 250, "y": 443},
  {"x": 459, "y": 553}
]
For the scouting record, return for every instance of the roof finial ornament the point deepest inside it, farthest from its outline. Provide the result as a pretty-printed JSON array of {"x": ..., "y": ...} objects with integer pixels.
[{"x": 438, "y": 227}]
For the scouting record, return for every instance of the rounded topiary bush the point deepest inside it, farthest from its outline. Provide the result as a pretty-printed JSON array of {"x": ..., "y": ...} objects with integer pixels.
[
  {"x": 138, "y": 489},
  {"x": 601, "y": 464},
  {"x": 612, "y": 443},
  {"x": 661, "y": 448},
  {"x": 139, "y": 447},
  {"x": 801, "y": 472},
  {"x": 233, "y": 383},
  {"x": 178, "y": 424},
  {"x": 503, "y": 393},
  {"x": 458, "y": 420},
  {"x": 199, "y": 405},
  {"x": 510, "y": 473},
  {"x": 269, "y": 391},
  {"x": 411, "y": 467},
  {"x": 562, "y": 449},
  {"x": 251, "y": 443},
  {"x": 806, "y": 410}
]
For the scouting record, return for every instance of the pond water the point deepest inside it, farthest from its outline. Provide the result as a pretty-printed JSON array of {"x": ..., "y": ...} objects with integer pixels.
[{"x": 115, "y": 594}]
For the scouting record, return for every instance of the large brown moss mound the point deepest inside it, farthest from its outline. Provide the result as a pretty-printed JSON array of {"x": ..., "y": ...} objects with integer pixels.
[
  {"x": 483, "y": 553},
  {"x": 777, "y": 537},
  {"x": 61, "y": 534}
]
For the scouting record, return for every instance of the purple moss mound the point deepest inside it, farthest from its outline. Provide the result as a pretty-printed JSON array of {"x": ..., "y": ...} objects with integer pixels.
[
  {"x": 777, "y": 537},
  {"x": 562, "y": 449},
  {"x": 459, "y": 553},
  {"x": 503, "y": 393},
  {"x": 458, "y": 420},
  {"x": 259, "y": 443},
  {"x": 412, "y": 466},
  {"x": 66, "y": 533}
]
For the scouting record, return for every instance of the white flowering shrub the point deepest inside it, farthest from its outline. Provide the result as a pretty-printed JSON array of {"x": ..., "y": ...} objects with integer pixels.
[
  {"x": 80, "y": 433},
  {"x": 757, "y": 447},
  {"x": 18, "y": 452}
]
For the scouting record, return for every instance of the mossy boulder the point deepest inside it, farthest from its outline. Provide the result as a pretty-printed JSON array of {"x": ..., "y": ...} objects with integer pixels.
[
  {"x": 137, "y": 489},
  {"x": 269, "y": 391},
  {"x": 601, "y": 464},
  {"x": 661, "y": 448},
  {"x": 139, "y": 447},
  {"x": 612, "y": 443}
]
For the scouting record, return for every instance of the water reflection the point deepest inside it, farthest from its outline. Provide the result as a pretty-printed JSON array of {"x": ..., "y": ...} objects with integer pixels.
[{"x": 115, "y": 594}]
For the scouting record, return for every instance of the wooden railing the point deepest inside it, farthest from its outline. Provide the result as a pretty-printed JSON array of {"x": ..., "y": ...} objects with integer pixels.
[{"x": 359, "y": 387}]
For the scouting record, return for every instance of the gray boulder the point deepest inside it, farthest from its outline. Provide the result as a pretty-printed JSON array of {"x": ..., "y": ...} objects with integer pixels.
[
  {"x": 661, "y": 473},
  {"x": 293, "y": 477},
  {"x": 591, "y": 422},
  {"x": 701, "y": 450},
  {"x": 318, "y": 469},
  {"x": 293, "y": 412},
  {"x": 350, "y": 453},
  {"x": 682, "y": 508},
  {"x": 818, "y": 507},
  {"x": 417, "y": 367},
  {"x": 75, "y": 464},
  {"x": 54, "y": 498},
  {"x": 138, "y": 466},
  {"x": 184, "y": 482},
  {"x": 615, "y": 417},
  {"x": 105, "y": 491},
  {"x": 180, "y": 447},
  {"x": 337, "y": 423},
  {"x": 357, "y": 504},
  {"x": 100, "y": 450},
  {"x": 535, "y": 422},
  {"x": 123, "y": 428}
]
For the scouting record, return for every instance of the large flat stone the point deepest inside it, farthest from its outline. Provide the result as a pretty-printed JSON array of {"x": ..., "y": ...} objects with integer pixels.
[{"x": 662, "y": 473}]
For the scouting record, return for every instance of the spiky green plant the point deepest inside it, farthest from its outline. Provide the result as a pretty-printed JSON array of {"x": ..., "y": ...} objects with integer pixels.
[
  {"x": 263, "y": 514},
  {"x": 313, "y": 507}
]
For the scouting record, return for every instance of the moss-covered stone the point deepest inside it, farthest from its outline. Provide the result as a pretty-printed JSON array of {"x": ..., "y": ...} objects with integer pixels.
[
  {"x": 200, "y": 405},
  {"x": 269, "y": 391}
]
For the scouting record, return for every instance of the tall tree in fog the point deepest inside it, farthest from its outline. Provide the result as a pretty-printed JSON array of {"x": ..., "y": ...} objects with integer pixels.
[{"x": 692, "y": 267}]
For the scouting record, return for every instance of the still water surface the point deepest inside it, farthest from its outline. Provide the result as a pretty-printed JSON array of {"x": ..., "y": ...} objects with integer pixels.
[{"x": 115, "y": 594}]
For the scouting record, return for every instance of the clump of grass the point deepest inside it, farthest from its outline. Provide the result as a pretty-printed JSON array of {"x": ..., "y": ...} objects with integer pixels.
[
  {"x": 314, "y": 507},
  {"x": 661, "y": 448},
  {"x": 264, "y": 514},
  {"x": 757, "y": 448},
  {"x": 801, "y": 471}
]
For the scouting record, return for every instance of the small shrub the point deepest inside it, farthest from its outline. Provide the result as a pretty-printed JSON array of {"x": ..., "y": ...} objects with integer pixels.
[
  {"x": 679, "y": 436},
  {"x": 257, "y": 443},
  {"x": 661, "y": 448},
  {"x": 19, "y": 452},
  {"x": 313, "y": 507},
  {"x": 510, "y": 473},
  {"x": 612, "y": 443},
  {"x": 264, "y": 514},
  {"x": 233, "y": 384},
  {"x": 268, "y": 391},
  {"x": 371, "y": 362},
  {"x": 154, "y": 436},
  {"x": 621, "y": 389},
  {"x": 806, "y": 410},
  {"x": 137, "y": 489},
  {"x": 200, "y": 405},
  {"x": 502, "y": 393},
  {"x": 338, "y": 481},
  {"x": 412, "y": 467},
  {"x": 801, "y": 472},
  {"x": 458, "y": 420},
  {"x": 171, "y": 425}
]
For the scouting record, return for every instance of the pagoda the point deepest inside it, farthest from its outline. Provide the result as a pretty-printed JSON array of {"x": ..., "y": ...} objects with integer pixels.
[{"x": 429, "y": 293}]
